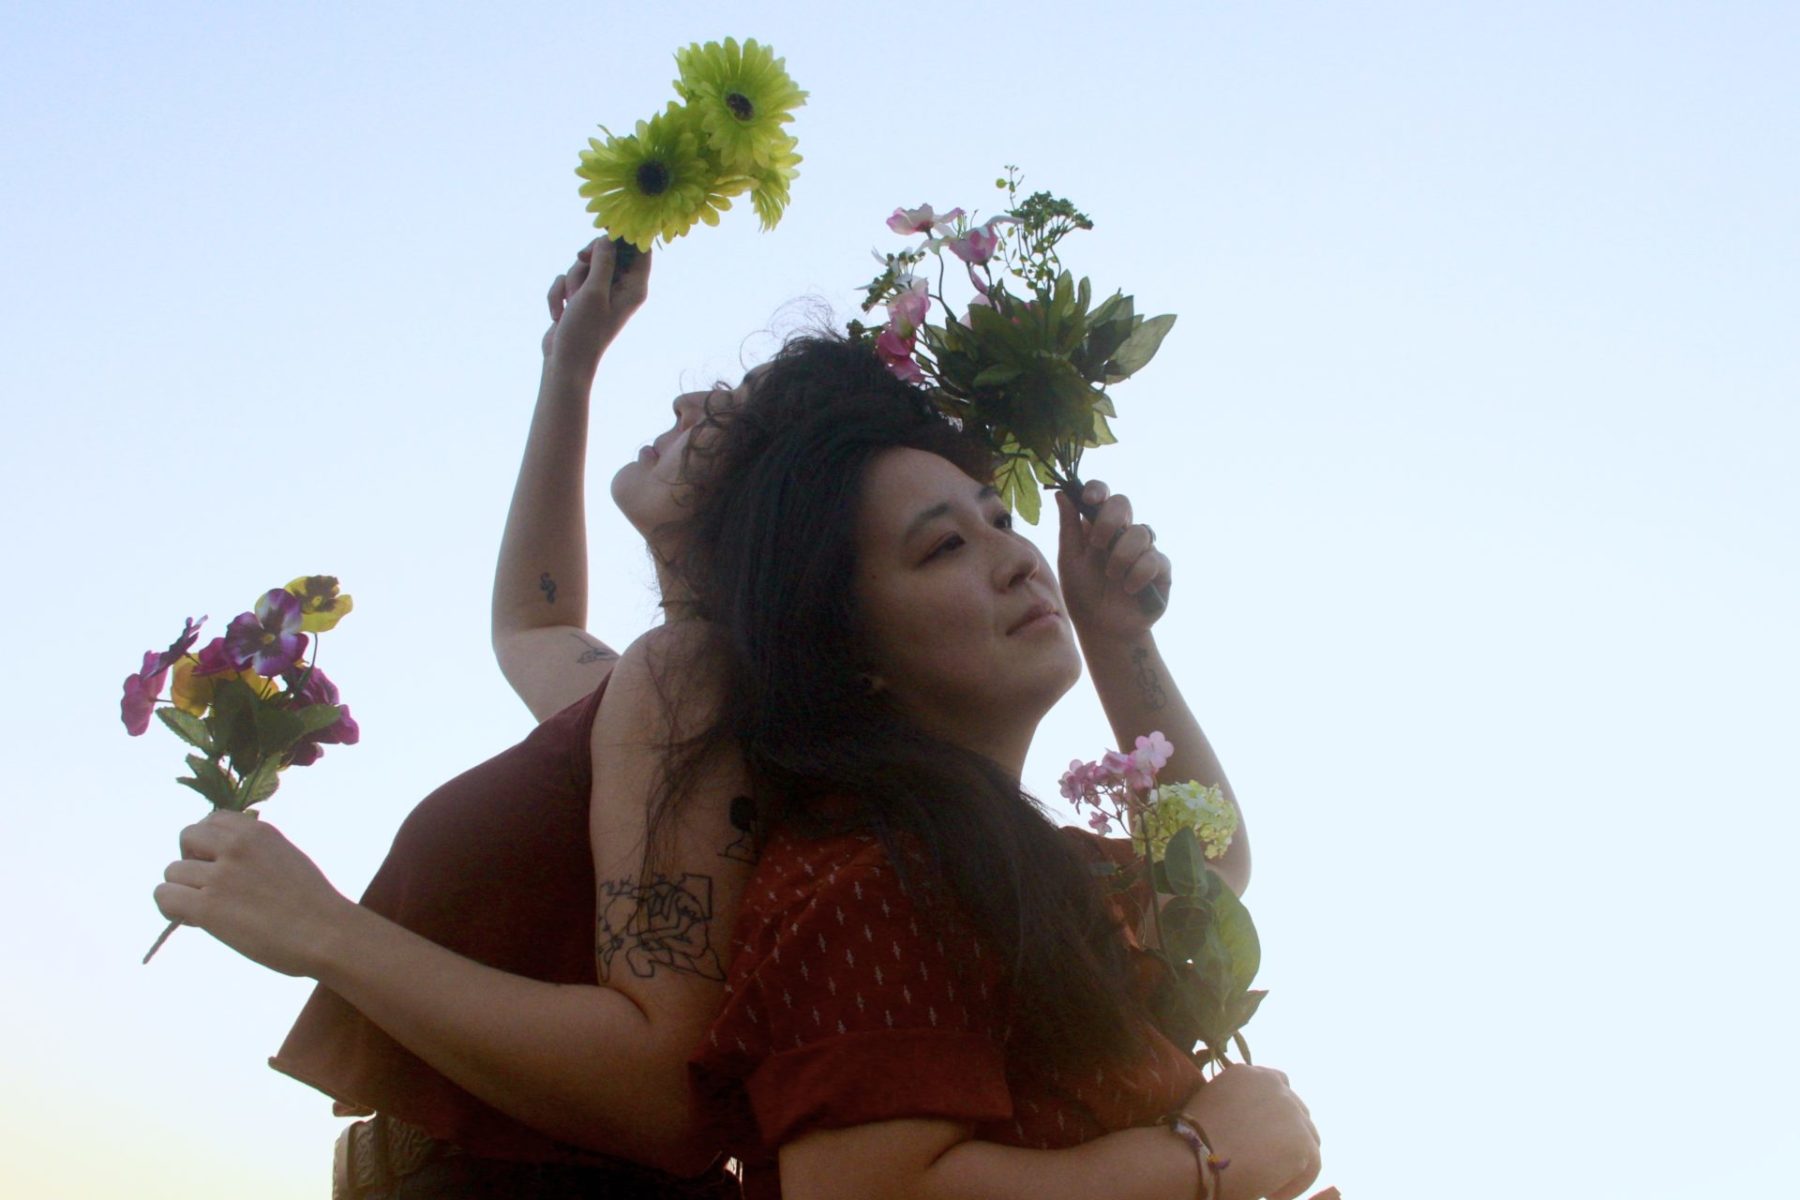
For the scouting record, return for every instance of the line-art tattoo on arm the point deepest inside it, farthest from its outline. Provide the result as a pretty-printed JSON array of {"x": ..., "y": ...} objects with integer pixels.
[
  {"x": 743, "y": 819},
  {"x": 547, "y": 586},
  {"x": 592, "y": 652},
  {"x": 1151, "y": 686},
  {"x": 662, "y": 923}
]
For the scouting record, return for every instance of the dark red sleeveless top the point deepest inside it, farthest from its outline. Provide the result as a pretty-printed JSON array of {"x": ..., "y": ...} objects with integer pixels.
[{"x": 496, "y": 866}]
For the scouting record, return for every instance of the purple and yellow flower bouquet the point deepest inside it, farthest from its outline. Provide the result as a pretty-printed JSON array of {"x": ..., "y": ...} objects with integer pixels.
[{"x": 249, "y": 704}]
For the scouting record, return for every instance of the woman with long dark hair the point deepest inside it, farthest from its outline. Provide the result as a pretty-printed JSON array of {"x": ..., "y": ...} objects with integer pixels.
[{"x": 929, "y": 995}]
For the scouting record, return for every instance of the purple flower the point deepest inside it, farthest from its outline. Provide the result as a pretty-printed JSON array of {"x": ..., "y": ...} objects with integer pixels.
[
  {"x": 141, "y": 692},
  {"x": 143, "y": 688},
  {"x": 1100, "y": 823},
  {"x": 215, "y": 659},
  {"x": 320, "y": 690},
  {"x": 1153, "y": 750},
  {"x": 268, "y": 640}
]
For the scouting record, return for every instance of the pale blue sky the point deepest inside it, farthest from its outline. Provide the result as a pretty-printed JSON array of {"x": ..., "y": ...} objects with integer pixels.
[{"x": 1473, "y": 448}]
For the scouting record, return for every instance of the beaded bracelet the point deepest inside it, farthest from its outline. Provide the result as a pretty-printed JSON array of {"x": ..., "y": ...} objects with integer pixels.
[{"x": 1209, "y": 1164}]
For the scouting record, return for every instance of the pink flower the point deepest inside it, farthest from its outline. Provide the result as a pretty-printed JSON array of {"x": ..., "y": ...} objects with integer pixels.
[
  {"x": 143, "y": 689},
  {"x": 1075, "y": 781},
  {"x": 1153, "y": 750},
  {"x": 906, "y": 312},
  {"x": 1112, "y": 766},
  {"x": 920, "y": 219},
  {"x": 978, "y": 244},
  {"x": 141, "y": 692},
  {"x": 896, "y": 352},
  {"x": 1100, "y": 823}
]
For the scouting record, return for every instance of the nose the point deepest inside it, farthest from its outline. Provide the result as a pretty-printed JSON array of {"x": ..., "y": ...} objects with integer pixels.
[
  {"x": 1016, "y": 561},
  {"x": 689, "y": 408}
]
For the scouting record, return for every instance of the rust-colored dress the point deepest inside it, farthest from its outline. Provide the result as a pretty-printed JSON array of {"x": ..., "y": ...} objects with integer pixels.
[
  {"x": 495, "y": 865},
  {"x": 844, "y": 1007}
]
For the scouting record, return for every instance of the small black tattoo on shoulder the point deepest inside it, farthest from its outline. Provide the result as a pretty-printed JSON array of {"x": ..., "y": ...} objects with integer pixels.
[
  {"x": 592, "y": 652},
  {"x": 743, "y": 819},
  {"x": 1148, "y": 682},
  {"x": 547, "y": 586},
  {"x": 662, "y": 923}
]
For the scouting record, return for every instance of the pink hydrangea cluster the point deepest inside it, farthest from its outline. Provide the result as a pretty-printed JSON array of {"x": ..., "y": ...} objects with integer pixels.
[{"x": 1116, "y": 786}]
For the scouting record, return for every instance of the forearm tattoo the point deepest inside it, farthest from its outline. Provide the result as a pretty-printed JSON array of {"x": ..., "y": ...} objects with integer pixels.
[
  {"x": 592, "y": 652},
  {"x": 547, "y": 586},
  {"x": 1149, "y": 683},
  {"x": 662, "y": 923}
]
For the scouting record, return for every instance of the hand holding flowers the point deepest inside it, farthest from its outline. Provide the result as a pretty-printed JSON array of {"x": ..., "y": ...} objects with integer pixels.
[
  {"x": 246, "y": 703},
  {"x": 1203, "y": 934},
  {"x": 1026, "y": 364}
]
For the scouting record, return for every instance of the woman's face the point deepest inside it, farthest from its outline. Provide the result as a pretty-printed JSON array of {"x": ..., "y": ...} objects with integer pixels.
[
  {"x": 651, "y": 489},
  {"x": 964, "y": 620}
]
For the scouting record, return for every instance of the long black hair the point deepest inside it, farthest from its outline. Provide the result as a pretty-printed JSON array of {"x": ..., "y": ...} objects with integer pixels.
[{"x": 771, "y": 553}]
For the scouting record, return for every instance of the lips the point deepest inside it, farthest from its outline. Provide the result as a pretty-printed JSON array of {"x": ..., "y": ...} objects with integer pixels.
[{"x": 1036, "y": 612}]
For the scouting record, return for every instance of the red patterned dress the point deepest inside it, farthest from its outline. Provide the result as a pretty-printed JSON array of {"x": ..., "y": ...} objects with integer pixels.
[{"x": 844, "y": 1006}]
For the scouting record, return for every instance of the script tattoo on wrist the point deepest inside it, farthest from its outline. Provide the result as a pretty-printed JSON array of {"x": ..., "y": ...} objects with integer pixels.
[
  {"x": 547, "y": 586},
  {"x": 1149, "y": 683},
  {"x": 592, "y": 652},
  {"x": 662, "y": 923}
]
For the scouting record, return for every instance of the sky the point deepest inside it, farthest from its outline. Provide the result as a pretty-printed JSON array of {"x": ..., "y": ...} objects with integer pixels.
[{"x": 1473, "y": 449}]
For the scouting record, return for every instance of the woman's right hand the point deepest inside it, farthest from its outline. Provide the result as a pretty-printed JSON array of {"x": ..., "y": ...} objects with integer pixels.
[
  {"x": 588, "y": 306},
  {"x": 1252, "y": 1118}
]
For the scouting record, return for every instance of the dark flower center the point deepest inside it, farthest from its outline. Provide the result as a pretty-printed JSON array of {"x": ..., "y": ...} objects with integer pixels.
[
  {"x": 740, "y": 105},
  {"x": 653, "y": 178}
]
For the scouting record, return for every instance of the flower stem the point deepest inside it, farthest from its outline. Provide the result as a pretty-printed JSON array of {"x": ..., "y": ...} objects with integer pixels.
[{"x": 161, "y": 938}]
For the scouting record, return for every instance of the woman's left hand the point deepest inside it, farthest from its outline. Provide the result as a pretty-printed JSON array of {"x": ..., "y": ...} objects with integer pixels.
[
  {"x": 240, "y": 880},
  {"x": 1106, "y": 563}
]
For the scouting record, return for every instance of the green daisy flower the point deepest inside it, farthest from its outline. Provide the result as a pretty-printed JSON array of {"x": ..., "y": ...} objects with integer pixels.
[
  {"x": 769, "y": 184},
  {"x": 743, "y": 97},
  {"x": 653, "y": 183}
]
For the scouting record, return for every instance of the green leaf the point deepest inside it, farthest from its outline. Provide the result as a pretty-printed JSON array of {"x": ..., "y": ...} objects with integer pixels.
[
  {"x": 260, "y": 784},
  {"x": 1237, "y": 932},
  {"x": 277, "y": 728},
  {"x": 315, "y": 717},
  {"x": 996, "y": 375},
  {"x": 1018, "y": 488},
  {"x": 1139, "y": 348},
  {"x": 1183, "y": 864},
  {"x": 233, "y": 721},
  {"x": 1185, "y": 922},
  {"x": 210, "y": 780},
  {"x": 187, "y": 727},
  {"x": 1246, "y": 1007}
]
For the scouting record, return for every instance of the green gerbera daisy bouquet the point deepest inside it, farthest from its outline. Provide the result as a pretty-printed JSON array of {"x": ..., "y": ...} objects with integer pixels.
[
  {"x": 1027, "y": 363},
  {"x": 724, "y": 136}
]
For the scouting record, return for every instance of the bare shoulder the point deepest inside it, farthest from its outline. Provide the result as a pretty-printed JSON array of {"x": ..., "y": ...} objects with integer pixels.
[{"x": 662, "y": 687}]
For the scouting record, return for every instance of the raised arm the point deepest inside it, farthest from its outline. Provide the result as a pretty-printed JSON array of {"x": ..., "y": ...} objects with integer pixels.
[
  {"x": 1104, "y": 563},
  {"x": 540, "y": 583}
]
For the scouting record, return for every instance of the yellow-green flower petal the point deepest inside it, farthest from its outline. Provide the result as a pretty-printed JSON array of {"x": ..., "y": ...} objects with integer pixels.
[
  {"x": 769, "y": 184},
  {"x": 321, "y": 606},
  {"x": 743, "y": 96},
  {"x": 1188, "y": 805},
  {"x": 652, "y": 183}
]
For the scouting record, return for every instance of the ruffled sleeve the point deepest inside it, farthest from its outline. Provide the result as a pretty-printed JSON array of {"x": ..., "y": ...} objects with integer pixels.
[{"x": 844, "y": 1006}]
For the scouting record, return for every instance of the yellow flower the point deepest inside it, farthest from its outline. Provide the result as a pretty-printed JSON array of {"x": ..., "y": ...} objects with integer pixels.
[
  {"x": 743, "y": 97},
  {"x": 1188, "y": 805},
  {"x": 769, "y": 184},
  {"x": 321, "y": 607},
  {"x": 193, "y": 693},
  {"x": 653, "y": 183}
]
